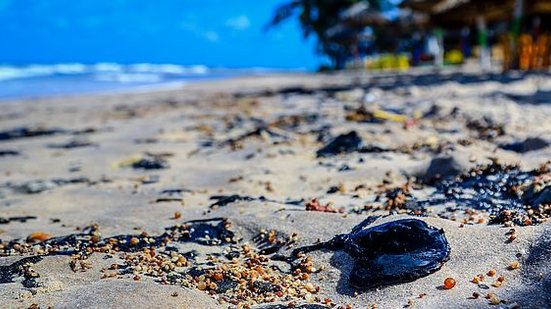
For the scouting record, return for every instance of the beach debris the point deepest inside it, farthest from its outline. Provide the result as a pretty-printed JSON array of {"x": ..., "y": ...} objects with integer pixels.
[
  {"x": 441, "y": 167},
  {"x": 344, "y": 143},
  {"x": 146, "y": 162},
  {"x": 246, "y": 277},
  {"x": 269, "y": 242},
  {"x": 262, "y": 132},
  {"x": 224, "y": 200},
  {"x": 175, "y": 192},
  {"x": 168, "y": 199},
  {"x": 396, "y": 198},
  {"x": 38, "y": 186},
  {"x": 486, "y": 128},
  {"x": 76, "y": 143},
  {"x": 449, "y": 283},
  {"x": 25, "y": 132},
  {"x": 150, "y": 140},
  {"x": 390, "y": 253},
  {"x": 292, "y": 122},
  {"x": 529, "y": 144},
  {"x": 303, "y": 306},
  {"x": 38, "y": 237},
  {"x": 21, "y": 219},
  {"x": 506, "y": 192},
  {"x": 493, "y": 298},
  {"x": 20, "y": 268},
  {"x": 8, "y": 153},
  {"x": 316, "y": 205},
  {"x": 362, "y": 114}
]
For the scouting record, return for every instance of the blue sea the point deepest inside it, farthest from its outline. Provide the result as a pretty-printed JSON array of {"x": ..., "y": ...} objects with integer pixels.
[{"x": 44, "y": 80}]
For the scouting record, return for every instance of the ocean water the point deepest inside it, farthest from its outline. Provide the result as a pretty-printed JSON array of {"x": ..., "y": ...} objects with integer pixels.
[{"x": 39, "y": 80}]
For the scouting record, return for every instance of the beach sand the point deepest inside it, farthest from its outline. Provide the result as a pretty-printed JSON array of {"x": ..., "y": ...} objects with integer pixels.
[{"x": 257, "y": 138}]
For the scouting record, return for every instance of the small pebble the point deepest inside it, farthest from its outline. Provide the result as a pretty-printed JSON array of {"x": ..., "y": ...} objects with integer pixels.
[
  {"x": 134, "y": 241},
  {"x": 514, "y": 265},
  {"x": 449, "y": 283}
]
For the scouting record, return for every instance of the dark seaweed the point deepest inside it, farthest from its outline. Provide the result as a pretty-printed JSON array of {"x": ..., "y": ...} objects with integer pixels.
[
  {"x": 24, "y": 132},
  {"x": 72, "y": 144},
  {"x": 5, "y": 153},
  {"x": 22, "y": 219},
  {"x": 486, "y": 128},
  {"x": 393, "y": 252},
  {"x": 10, "y": 272},
  {"x": 529, "y": 144},
  {"x": 305, "y": 306},
  {"x": 224, "y": 200},
  {"x": 37, "y": 186},
  {"x": 209, "y": 232},
  {"x": 150, "y": 163},
  {"x": 172, "y": 192},
  {"x": 344, "y": 143},
  {"x": 491, "y": 188}
]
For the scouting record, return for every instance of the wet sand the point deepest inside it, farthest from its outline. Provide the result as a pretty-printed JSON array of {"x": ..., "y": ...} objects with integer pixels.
[{"x": 114, "y": 172}]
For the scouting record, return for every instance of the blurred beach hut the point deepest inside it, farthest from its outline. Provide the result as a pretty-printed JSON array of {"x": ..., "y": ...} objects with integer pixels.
[
  {"x": 524, "y": 51},
  {"x": 348, "y": 33},
  {"x": 360, "y": 15}
]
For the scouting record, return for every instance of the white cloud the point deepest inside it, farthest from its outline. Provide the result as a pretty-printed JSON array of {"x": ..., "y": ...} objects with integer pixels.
[
  {"x": 239, "y": 23},
  {"x": 211, "y": 36}
]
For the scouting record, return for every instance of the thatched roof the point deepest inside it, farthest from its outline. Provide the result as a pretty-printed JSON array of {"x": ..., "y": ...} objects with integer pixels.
[
  {"x": 465, "y": 12},
  {"x": 361, "y": 15}
]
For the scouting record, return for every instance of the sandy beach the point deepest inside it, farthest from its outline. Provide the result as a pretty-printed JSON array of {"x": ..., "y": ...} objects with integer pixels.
[{"x": 197, "y": 196}]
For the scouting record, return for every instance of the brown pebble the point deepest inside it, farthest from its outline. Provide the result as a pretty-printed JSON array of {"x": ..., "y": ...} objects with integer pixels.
[
  {"x": 218, "y": 276},
  {"x": 476, "y": 295},
  {"x": 514, "y": 265},
  {"x": 134, "y": 241},
  {"x": 177, "y": 215},
  {"x": 449, "y": 283},
  {"x": 492, "y": 297},
  {"x": 492, "y": 272},
  {"x": 38, "y": 237}
]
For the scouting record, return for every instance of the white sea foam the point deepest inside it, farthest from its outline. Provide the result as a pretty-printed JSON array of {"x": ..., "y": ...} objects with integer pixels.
[
  {"x": 129, "y": 78},
  {"x": 128, "y": 71}
]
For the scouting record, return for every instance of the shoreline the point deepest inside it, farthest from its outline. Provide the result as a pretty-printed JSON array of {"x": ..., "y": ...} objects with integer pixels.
[{"x": 195, "y": 193}]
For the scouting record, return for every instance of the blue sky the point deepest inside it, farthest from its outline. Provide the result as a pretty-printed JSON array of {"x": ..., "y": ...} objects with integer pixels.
[{"x": 226, "y": 33}]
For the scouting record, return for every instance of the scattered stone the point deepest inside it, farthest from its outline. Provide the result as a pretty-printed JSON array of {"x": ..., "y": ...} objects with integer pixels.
[
  {"x": 441, "y": 167},
  {"x": 345, "y": 143}
]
